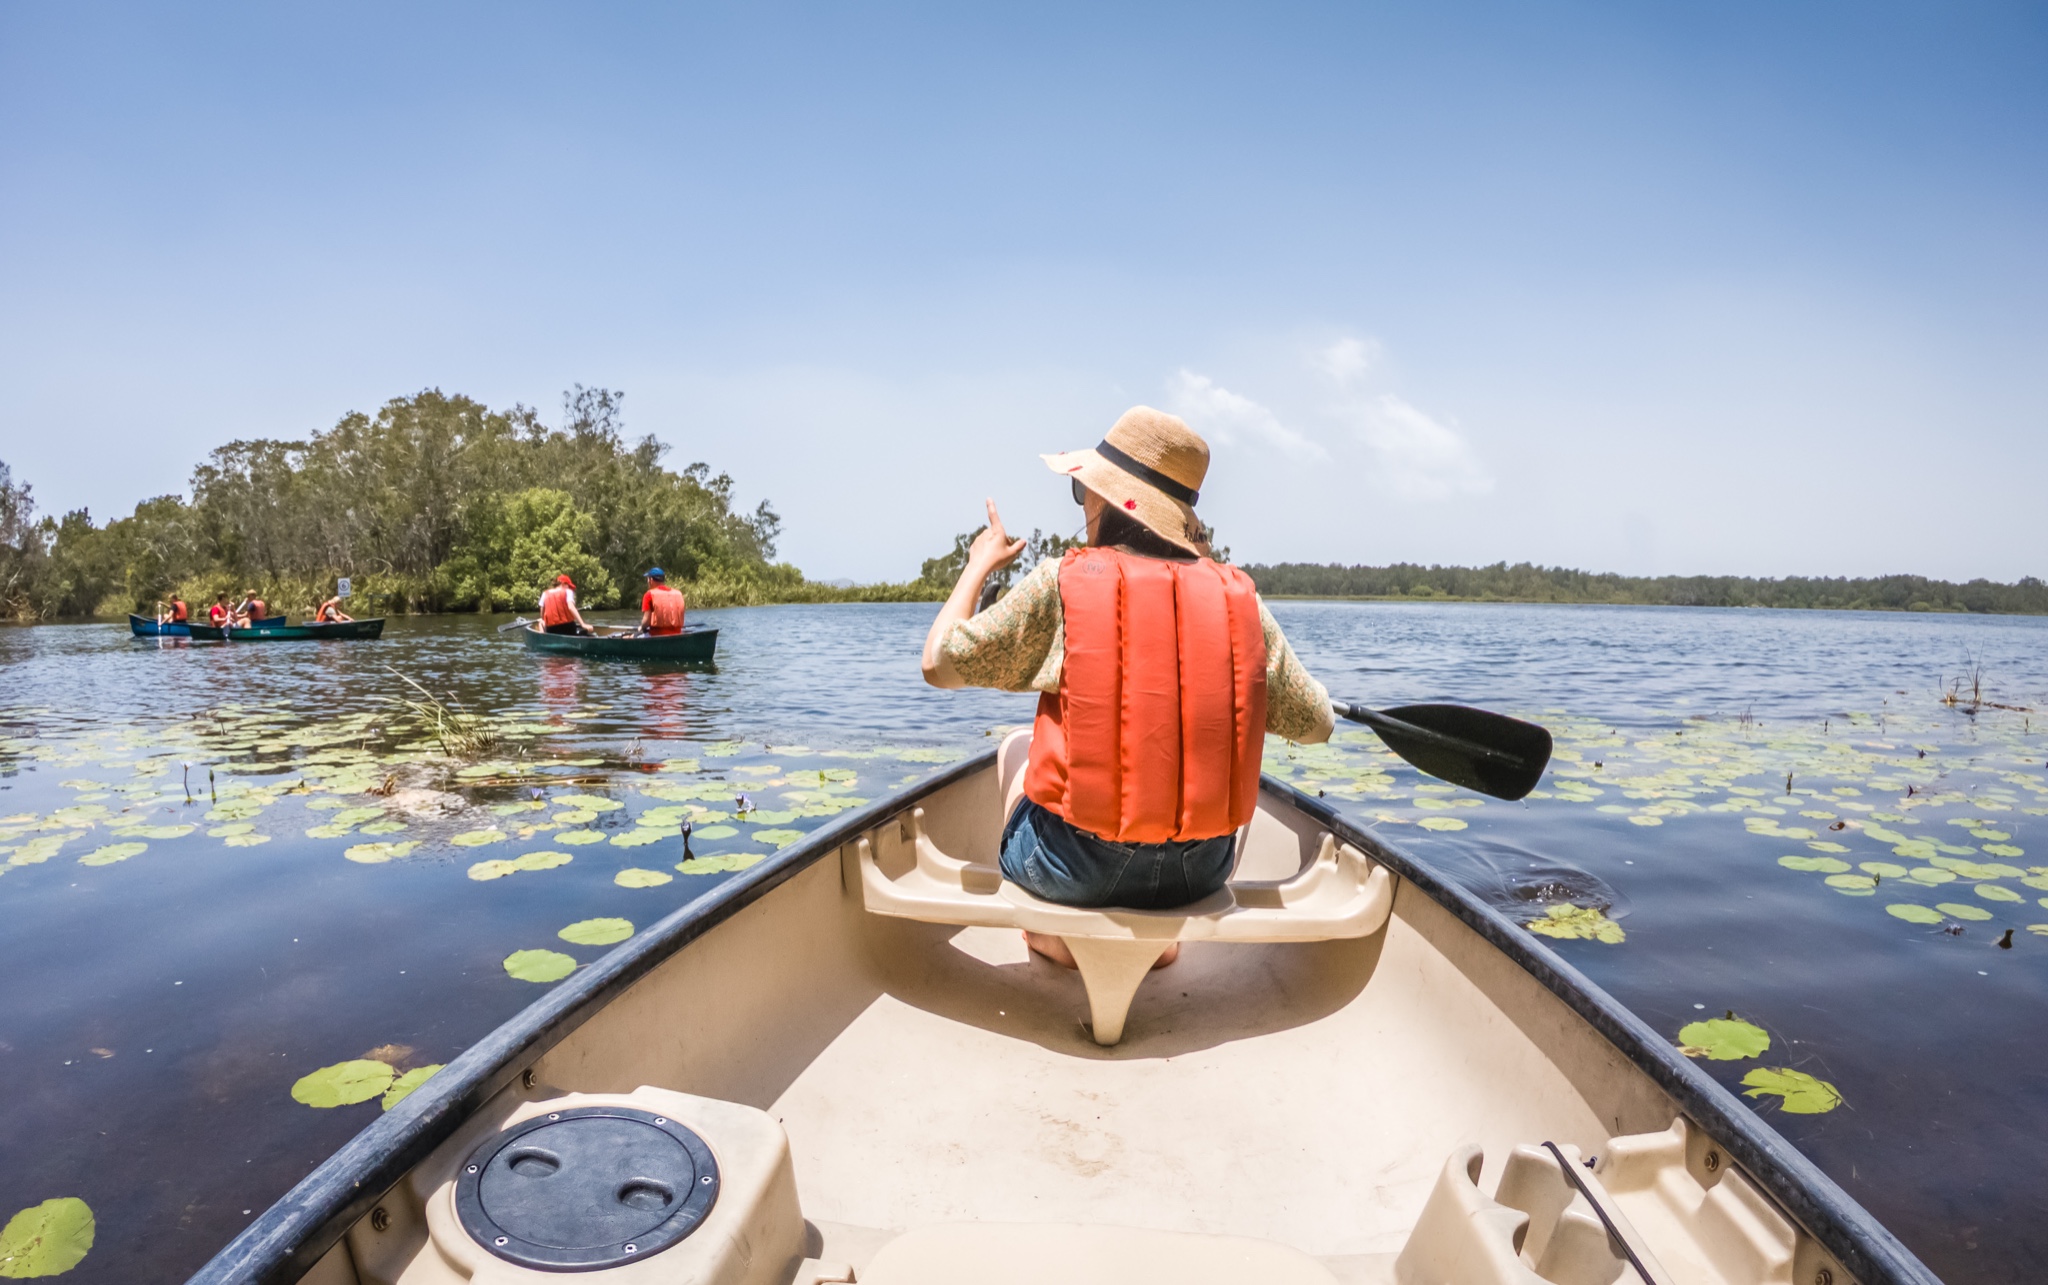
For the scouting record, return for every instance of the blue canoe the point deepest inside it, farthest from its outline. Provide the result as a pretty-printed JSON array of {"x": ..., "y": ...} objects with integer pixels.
[{"x": 145, "y": 627}]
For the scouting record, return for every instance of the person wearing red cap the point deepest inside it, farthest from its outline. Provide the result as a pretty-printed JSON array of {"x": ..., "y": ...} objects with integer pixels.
[{"x": 558, "y": 614}]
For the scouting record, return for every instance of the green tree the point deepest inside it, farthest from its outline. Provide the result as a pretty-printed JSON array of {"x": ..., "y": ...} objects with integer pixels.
[{"x": 518, "y": 544}]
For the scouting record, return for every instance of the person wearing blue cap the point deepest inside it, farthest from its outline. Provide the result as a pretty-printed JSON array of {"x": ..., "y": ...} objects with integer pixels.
[{"x": 661, "y": 607}]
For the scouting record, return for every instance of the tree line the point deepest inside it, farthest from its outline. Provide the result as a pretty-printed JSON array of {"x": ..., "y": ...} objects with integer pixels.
[
  {"x": 434, "y": 503},
  {"x": 1525, "y": 582}
]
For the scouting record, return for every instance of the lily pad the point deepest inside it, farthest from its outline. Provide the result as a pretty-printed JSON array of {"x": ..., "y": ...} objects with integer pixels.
[
  {"x": 597, "y": 932},
  {"x": 1931, "y": 875},
  {"x": 579, "y": 837},
  {"x": 111, "y": 853},
  {"x": 639, "y": 837},
  {"x": 783, "y": 838},
  {"x": 1568, "y": 923},
  {"x": 1801, "y": 1094},
  {"x": 478, "y": 838},
  {"x": 230, "y": 830},
  {"x": 1852, "y": 885},
  {"x": 356, "y": 816},
  {"x": 577, "y": 816},
  {"x": 343, "y": 1084},
  {"x": 1816, "y": 865},
  {"x": 1997, "y": 892},
  {"x": 542, "y": 860},
  {"x": 1640, "y": 818},
  {"x": 156, "y": 831},
  {"x": 539, "y": 965},
  {"x": 329, "y": 831},
  {"x": 40, "y": 849},
  {"x": 1913, "y": 914},
  {"x": 2004, "y": 850},
  {"x": 406, "y": 1083},
  {"x": 1958, "y": 910},
  {"x": 729, "y": 861},
  {"x": 587, "y": 802},
  {"x": 245, "y": 840},
  {"x": 47, "y": 1239},
  {"x": 1723, "y": 1039},
  {"x": 370, "y": 854},
  {"x": 709, "y": 832},
  {"x": 1882, "y": 869},
  {"x": 386, "y": 826},
  {"x": 634, "y": 877},
  {"x": 770, "y": 816},
  {"x": 1441, "y": 823},
  {"x": 1822, "y": 845}
]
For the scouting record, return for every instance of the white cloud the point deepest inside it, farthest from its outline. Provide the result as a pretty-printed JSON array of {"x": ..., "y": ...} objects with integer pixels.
[
  {"x": 1215, "y": 411},
  {"x": 1422, "y": 457},
  {"x": 1348, "y": 360}
]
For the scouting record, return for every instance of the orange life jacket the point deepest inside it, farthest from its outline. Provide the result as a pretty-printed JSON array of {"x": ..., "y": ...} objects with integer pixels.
[
  {"x": 180, "y": 613},
  {"x": 664, "y": 604},
  {"x": 1158, "y": 726},
  {"x": 554, "y": 607}
]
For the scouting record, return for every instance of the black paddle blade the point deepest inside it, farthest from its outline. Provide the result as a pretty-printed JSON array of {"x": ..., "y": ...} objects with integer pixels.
[{"x": 1491, "y": 753}]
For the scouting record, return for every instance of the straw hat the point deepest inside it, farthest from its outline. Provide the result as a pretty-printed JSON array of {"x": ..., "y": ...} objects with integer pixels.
[{"x": 1150, "y": 465}]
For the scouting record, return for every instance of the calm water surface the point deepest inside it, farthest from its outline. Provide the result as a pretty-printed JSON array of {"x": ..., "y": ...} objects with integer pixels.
[{"x": 165, "y": 988}]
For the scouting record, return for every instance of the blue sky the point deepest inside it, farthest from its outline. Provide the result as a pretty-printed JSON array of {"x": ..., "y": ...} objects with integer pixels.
[{"x": 1750, "y": 289}]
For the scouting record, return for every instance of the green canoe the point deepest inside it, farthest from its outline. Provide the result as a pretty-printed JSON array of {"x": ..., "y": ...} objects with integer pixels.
[
  {"x": 337, "y": 629},
  {"x": 691, "y": 644}
]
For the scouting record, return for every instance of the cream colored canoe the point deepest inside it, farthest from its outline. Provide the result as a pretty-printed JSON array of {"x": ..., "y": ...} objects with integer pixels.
[{"x": 841, "y": 1065}]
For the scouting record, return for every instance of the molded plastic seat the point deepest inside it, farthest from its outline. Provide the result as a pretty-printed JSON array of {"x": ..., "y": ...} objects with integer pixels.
[
  {"x": 1064, "y": 1254},
  {"x": 1340, "y": 894}
]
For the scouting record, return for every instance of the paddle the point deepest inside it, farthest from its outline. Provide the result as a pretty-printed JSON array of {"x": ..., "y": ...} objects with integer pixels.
[
  {"x": 1490, "y": 753},
  {"x": 520, "y": 623}
]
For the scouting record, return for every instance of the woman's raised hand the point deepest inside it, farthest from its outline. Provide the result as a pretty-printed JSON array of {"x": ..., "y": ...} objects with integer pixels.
[{"x": 993, "y": 549}]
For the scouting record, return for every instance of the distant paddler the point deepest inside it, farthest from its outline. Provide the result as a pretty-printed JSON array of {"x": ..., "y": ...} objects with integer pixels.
[
  {"x": 218, "y": 615},
  {"x": 330, "y": 612},
  {"x": 661, "y": 607},
  {"x": 558, "y": 614},
  {"x": 178, "y": 613},
  {"x": 1159, "y": 674},
  {"x": 251, "y": 610}
]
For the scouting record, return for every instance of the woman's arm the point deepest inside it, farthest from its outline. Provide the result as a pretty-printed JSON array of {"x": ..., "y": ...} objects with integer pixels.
[{"x": 991, "y": 551}]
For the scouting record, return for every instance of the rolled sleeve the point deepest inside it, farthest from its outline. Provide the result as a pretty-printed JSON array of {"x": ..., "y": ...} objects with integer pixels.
[{"x": 1297, "y": 706}]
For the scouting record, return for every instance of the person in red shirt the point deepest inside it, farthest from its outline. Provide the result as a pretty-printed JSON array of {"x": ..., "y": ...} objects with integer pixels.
[
  {"x": 558, "y": 614},
  {"x": 661, "y": 607},
  {"x": 218, "y": 613}
]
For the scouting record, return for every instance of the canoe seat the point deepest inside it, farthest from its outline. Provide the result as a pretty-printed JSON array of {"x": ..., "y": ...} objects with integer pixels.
[
  {"x": 1065, "y": 1254},
  {"x": 1340, "y": 894},
  {"x": 1685, "y": 1212}
]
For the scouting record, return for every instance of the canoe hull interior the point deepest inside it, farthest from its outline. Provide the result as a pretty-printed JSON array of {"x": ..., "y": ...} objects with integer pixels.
[
  {"x": 1305, "y": 1096},
  {"x": 339, "y": 630},
  {"x": 695, "y": 644},
  {"x": 147, "y": 627}
]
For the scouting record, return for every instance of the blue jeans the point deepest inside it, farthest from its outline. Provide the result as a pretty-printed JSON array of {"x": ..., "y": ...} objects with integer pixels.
[{"x": 1057, "y": 861}]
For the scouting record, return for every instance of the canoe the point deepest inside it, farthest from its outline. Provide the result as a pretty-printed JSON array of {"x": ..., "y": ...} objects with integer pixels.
[
  {"x": 146, "y": 627},
  {"x": 332, "y": 630},
  {"x": 813, "y": 1073},
  {"x": 692, "y": 644}
]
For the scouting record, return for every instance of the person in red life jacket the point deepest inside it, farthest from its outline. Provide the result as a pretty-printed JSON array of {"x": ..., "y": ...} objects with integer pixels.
[
  {"x": 218, "y": 614},
  {"x": 661, "y": 607},
  {"x": 1158, "y": 672},
  {"x": 178, "y": 614},
  {"x": 558, "y": 614},
  {"x": 252, "y": 610},
  {"x": 330, "y": 612}
]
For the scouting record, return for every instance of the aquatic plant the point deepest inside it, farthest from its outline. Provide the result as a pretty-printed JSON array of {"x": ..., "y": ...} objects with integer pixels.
[{"x": 460, "y": 734}]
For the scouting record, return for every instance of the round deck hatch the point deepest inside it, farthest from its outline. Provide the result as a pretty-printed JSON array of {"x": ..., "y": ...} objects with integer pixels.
[{"x": 586, "y": 1188}]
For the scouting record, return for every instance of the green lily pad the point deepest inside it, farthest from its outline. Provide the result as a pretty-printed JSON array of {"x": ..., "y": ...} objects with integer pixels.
[
  {"x": 1914, "y": 850},
  {"x": 47, "y": 1239},
  {"x": 343, "y": 1084},
  {"x": 680, "y": 765},
  {"x": 245, "y": 840},
  {"x": 539, "y": 965},
  {"x": 1640, "y": 818},
  {"x": 1441, "y": 823},
  {"x": 111, "y": 853},
  {"x": 478, "y": 838},
  {"x": 356, "y": 816},
  {"x": 1852, "y": 885},
  {"x": 370, "y": 854},
  {"x": 406, "y": 1083},
  {"x": 597, "y": 932},
  {"x": 638, "y": 837},
  {"x": 1801, "y": 1093},
  {"x": 783, "y": 838},
  {"x": 634, "y": 877},
  {"x": 329, "y": 831},
  {"x": 1816, "y": 865},
  {"x": 236, "y": 810},
  {"x": 386, "y": 826},
  {"x": 723, "y": 863},
  {"x": 155, "y": 831},
  {"x": 1996, "y": 836},
  {"x": 40, "y": 849},
  {"x": 667, "y": 817},
  {"x": 1882, "y": 869},
  {"x": 1822, "y": 845},
  {"x": 2004, "y": 850},
  {"x": 577, "y": 837},
  {"x": 1931, "y": 875},
  {"x": 1958, "y": 910},
  {"x": 587, "y": 802},
  {"x": 579, "y": 816},
  {"x": 1578, "y": 923},
  {"x": 713, "y": 832},
  {"x": 768, "y": 816},
  {"x": 1723, "y": 1039},
  {"x": 1913, "y": 914}
]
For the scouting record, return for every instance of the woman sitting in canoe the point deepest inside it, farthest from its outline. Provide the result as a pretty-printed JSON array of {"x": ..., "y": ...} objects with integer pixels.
[
  {"x": 330, "y": 612},
  {"x": 1159, "y": 673},
  {"x": 661, "y": 607},
  {"x": 558, "y": 614}
]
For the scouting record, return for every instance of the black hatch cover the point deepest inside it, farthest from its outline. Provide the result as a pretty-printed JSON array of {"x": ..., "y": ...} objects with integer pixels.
[{"x": 586, "y": 1188}]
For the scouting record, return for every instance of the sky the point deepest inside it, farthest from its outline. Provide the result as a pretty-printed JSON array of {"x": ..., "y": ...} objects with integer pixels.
[{"x": 1661, "y": 289}]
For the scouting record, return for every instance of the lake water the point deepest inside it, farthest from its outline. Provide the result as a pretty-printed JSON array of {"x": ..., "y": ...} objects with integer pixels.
[{"x": 173, "y": 969}]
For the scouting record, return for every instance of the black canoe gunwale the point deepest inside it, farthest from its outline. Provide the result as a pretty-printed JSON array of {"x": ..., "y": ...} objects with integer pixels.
[{"x": 287, "y": 1239}]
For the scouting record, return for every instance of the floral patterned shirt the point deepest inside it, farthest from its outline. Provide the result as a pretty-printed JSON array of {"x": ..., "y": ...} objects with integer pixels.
[{"x": 1019, "y": 645}]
